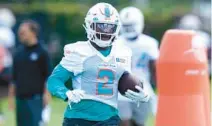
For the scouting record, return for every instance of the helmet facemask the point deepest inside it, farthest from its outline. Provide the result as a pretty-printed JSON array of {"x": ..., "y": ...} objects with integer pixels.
[
  {"x": 103, "y": 34},
  {"x": 131, "y": 30},
  {"x": 102, "y": 24}
]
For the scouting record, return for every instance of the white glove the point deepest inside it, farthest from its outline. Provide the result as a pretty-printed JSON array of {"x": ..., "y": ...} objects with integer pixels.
[
  {"x": 75, "y": 96},
  {"x": 141, "y": 96}
]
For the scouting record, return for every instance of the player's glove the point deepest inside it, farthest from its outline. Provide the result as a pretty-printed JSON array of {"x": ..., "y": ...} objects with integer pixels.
[
  {"x": 141, "y": 96},
  {"x": 75, "y": 96}
]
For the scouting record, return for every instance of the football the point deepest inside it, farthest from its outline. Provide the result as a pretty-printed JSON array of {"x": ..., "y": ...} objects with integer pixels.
[{"x": 128, "y": 81}]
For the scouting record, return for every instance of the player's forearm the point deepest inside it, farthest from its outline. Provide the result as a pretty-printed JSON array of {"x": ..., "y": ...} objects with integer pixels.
[
  {"x": 56, "y": 82},
  {"x": 11, "y": 91},
  {"x": 153, "y": 72},
  {"x": 11, "y": 96},
  {"x": 57, "y": 87},
  {"x": 153, "y": 78},
  {"x": 46, "y": 97}
]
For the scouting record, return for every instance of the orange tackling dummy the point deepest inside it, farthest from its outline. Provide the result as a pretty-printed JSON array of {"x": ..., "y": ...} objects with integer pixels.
[{"x": 183, "y": 82}]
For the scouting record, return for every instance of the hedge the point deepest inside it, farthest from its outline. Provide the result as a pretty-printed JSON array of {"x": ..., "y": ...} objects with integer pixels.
[{"x": 66, "y": 19}]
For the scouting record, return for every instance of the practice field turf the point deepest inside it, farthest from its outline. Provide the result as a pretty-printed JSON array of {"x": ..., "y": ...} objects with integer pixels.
[{"x": 58, "y": 107}]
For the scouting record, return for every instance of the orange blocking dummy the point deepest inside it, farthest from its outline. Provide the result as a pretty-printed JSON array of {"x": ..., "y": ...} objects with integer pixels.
[{"x": 183, "y": 82}]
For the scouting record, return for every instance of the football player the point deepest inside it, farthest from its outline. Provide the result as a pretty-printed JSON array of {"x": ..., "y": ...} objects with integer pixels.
[
  {"x": 7, "y": 42},
  {"x": 97, "y": 68},
  {"x": 144, "y": 54}
]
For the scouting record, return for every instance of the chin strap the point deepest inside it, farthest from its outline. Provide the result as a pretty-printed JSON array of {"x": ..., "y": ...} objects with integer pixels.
[{"x": 133, "y": 39}]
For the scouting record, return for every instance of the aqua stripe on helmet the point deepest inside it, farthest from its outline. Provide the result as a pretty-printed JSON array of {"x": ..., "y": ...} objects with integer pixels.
[{"x": 107, "y": 11}]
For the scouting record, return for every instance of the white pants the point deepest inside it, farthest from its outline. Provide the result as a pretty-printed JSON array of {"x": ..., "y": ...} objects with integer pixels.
[{"x": 129, "y": 110}]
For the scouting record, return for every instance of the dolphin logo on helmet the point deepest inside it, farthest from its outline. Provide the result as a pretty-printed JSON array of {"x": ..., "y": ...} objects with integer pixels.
[{"x": 102, "y": 24}]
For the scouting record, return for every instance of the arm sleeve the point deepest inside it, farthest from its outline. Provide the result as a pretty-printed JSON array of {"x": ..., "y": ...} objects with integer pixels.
[{"x": 56, "y": 82}]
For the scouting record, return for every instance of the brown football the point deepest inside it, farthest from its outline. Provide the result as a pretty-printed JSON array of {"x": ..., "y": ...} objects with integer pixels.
[{"x": 128, "y": 81}]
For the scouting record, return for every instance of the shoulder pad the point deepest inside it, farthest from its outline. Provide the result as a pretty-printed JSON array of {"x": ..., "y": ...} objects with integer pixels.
[
  {"x": 78, "y": 47},
  {"x": 74, "y": 56},
  {"x": 149, "y": 40}
]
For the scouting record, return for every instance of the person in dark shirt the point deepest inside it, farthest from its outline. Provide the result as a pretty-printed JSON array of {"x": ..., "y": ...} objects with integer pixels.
[{"x": 31, "y": 67}]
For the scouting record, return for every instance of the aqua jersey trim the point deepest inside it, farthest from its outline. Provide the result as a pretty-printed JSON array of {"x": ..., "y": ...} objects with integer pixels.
[
  {"x": 106, "y": 52},
  {"x": 56, "y": 82},
  {"x": 91, "y": 110}
]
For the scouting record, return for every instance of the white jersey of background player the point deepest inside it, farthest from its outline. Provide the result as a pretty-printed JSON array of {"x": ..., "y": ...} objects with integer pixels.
[
  {"x": 144, "y": 53},
  {"x": 7, "y": 37}
]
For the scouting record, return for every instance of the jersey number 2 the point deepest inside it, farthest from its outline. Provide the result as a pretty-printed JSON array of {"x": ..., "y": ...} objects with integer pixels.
[{"x": 105, "y": 79}]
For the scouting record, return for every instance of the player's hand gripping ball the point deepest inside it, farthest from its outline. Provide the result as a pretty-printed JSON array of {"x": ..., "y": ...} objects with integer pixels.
[
  {"x": 129, "y": 81},
  {"x": 133, "y": 88}
]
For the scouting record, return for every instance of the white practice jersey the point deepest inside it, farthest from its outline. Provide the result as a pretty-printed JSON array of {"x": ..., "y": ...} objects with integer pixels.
[
  {"x": 97, "y": 75},
  {"x": 7, "y": 40},
  {"x": 144, "y": 49},
  {"x": 205, "y": 39},
  {"x": 7, "y": 37}
]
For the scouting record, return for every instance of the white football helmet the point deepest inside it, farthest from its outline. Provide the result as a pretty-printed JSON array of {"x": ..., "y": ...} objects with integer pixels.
[
  {"x": 132, "y": 20},
  {"x": 190, "y": 22},
  {"x": 102, "y": 24}
]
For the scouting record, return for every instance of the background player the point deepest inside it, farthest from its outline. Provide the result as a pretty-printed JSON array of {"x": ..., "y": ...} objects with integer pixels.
[
  {"x": 96, "y": 67},
  {"x": 7, "y": 42},
  {"x": 144, "y": 53}
]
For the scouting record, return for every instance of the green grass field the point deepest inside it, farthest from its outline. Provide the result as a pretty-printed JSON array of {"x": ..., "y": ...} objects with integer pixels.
[{"x": 58, "y": 108}]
